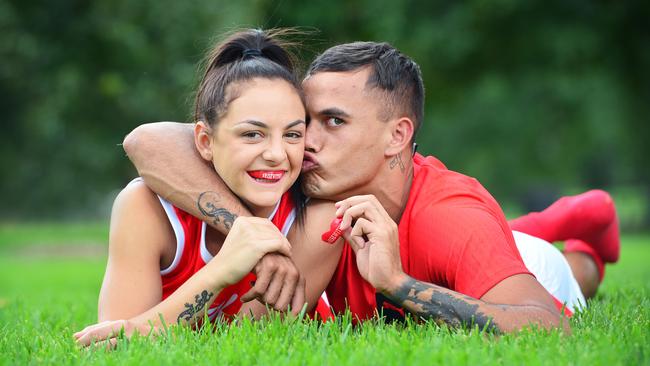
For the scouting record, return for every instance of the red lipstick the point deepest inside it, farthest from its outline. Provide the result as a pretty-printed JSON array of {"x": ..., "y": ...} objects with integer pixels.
[{"x": 267, "y": 174}]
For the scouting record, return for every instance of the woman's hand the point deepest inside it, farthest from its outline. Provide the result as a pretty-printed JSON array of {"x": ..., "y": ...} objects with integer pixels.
[
  {"x": 250, "y": 238},
  {"x": 104, "y": 334}
]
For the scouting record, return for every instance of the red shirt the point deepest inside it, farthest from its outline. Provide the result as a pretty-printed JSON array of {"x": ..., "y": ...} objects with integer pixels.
[{"x": 452, "y": 233}]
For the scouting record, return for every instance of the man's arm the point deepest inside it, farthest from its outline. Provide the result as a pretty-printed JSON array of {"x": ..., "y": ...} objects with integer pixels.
[
  {"x": 531, "y": 307},
  {"x": 513, "y": 303},
  {"x": 165, "y": 156}
]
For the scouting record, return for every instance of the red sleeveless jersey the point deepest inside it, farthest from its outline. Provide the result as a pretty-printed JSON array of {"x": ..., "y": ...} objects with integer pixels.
[{"x": 192, "y": 254}]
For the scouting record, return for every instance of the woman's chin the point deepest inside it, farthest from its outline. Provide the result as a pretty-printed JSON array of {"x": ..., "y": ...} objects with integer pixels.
[{"x": 263, "y": 203}]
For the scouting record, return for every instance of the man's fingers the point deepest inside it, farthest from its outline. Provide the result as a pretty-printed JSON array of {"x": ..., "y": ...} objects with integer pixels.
[
  {"x": 264, "y": 273},
  {"x": 343, "y": 205},
  {"x": 356, "y": 236},
  {"x": 273, "y": 291},
  {"x": 364, "y": 209},
  {"x": 298, "y": 296},
  {"x": 288, "y": 289}
]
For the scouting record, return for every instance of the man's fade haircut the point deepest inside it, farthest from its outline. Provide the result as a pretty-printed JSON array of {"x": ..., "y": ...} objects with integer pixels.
[{"x": 394, "y": 74}]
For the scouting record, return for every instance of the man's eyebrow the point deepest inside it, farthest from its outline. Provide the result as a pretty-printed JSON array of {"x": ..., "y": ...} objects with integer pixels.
[
  {"x": 334, "y": 112},
  {"x": 294, "y": 123},
  {"x": 253, "y": 122}
]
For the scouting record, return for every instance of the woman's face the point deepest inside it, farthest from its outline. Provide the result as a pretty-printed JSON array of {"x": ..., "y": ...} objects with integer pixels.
[{"x": 257, "y": 147}]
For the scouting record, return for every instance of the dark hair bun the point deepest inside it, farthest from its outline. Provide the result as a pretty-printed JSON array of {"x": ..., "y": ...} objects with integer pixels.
[
  {"x": 252, "y": 43},
  {"x": 244, "y": 55}
]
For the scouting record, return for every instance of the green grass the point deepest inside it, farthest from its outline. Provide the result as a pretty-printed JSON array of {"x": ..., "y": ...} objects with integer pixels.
[
  {"x": 13, "y": 234},
  {"x": 44, "y": 300}
]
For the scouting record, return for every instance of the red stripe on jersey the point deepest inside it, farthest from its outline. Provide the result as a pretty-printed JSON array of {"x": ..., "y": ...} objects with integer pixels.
[{"x": 562, "y": 307}]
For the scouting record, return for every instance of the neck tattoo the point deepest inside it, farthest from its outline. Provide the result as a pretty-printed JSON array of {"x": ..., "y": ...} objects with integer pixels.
[{"x": 397, "y": 161}]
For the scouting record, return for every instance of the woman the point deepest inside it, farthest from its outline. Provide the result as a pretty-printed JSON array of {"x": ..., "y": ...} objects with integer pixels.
[{"x": 167, "y": 267}]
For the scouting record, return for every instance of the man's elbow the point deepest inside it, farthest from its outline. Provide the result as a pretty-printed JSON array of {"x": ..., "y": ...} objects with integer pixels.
[
  {"x": 136, "y": 141},
  {"x": 551, "y": 320}
]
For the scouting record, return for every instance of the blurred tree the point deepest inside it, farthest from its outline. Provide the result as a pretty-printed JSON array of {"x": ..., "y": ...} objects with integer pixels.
[{"x": 528, "y": 96}]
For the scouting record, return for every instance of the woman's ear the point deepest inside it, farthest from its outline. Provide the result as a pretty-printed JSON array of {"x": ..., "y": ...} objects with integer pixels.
[
  {"x": 401, "y": 133},
  {"x": 203, "y": 139}
]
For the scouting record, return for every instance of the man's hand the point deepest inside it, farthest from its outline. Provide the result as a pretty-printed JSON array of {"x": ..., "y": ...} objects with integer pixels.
[
  {"x": 250, "y": 239},
  {"x": 279, "y": 284},
  {"x": 374, "y": 238}
]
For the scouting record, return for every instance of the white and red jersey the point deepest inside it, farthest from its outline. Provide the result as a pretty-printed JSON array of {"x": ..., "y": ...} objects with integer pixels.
[{"x": 192, "y": 254}]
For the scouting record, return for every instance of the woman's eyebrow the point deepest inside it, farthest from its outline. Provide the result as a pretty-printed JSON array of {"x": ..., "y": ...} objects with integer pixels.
[
  {"x": 253, "y": 122},
  {"x": 294, "y": 123}
]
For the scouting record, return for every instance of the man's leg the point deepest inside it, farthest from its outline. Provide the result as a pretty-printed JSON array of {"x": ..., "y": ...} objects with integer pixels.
[
  {"x": 589, "y": 226},
  {"x": 585, "y": 271}
]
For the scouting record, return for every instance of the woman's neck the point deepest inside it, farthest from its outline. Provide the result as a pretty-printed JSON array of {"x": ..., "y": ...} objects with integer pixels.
[{"x": 264, "y": 211}]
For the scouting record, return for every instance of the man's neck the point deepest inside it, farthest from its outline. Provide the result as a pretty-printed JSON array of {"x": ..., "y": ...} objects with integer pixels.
[{"x": 393, "y": 184}]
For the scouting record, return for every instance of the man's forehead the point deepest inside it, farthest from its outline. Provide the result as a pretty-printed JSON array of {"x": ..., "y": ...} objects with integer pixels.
[{"x": 338, "y": 81}]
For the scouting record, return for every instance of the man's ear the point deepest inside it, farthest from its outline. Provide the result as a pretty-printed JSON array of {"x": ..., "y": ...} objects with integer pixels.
[
  {"x": 401, "y": 133},
  {"x": 203, "y": 139}
]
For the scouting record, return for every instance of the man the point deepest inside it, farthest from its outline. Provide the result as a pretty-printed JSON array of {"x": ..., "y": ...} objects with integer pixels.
[{"x": 451, "y": 259}]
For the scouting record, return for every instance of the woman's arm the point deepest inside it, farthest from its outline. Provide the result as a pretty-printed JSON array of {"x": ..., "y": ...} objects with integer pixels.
[
  {"x": 139, "y": 234},
  {"x": 124, "y": 304}
]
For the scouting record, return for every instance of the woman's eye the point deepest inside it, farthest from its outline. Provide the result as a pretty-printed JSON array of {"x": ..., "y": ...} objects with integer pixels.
[
  {"x": 252, "y": 135},
  {"x": 293, "y": 135},
  {"x": 334, "y": 121}
]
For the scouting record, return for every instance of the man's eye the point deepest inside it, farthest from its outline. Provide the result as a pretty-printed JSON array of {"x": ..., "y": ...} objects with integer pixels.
[{"x": 334, "y": 121}]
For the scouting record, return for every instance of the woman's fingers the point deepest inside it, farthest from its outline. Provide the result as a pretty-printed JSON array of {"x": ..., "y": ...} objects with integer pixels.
[
  {"x": 100, "y": 332},
  {"x": 89, "y": 328}
]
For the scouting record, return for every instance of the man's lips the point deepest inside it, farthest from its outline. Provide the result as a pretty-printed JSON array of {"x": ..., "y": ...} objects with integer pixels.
[
  {"x": 272, "y": 175},
  {"x": 309, "y": 162}
]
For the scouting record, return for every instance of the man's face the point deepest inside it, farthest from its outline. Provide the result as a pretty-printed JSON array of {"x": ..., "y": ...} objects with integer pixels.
[{"x": 345, "y": 141}]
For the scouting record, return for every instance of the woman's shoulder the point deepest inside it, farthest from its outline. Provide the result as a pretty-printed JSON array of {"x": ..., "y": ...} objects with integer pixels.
[
  {"x": 318, "y": 215},
  {"x": 137, "y": 212}
]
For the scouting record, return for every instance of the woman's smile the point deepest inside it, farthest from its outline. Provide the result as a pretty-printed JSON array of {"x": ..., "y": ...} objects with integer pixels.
[{"x": 267, "y": 176}]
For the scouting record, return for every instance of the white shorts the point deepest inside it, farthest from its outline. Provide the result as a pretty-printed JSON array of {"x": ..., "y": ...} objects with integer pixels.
[{"x": 552, "y": 270}]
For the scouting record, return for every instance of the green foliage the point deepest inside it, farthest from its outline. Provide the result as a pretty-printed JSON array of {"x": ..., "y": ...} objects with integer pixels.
[
  {"x": 44, "y": 301},
  {"x": 525, "y": 95}
]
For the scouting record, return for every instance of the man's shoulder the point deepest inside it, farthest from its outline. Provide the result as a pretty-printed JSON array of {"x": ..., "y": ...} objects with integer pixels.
[{"x": 433, "y": 183}]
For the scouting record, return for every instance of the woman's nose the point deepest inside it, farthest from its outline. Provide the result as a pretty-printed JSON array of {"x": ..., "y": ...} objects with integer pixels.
[{"x": 274, "y": 151}]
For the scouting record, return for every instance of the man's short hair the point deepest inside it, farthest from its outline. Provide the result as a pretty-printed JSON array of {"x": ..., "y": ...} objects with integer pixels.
[{"x": 394, "y": 74}]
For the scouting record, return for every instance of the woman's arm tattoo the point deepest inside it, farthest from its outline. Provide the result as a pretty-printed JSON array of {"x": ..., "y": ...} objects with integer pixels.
[
  {"x": 190, "y": 310},
  {"x": 208, "y": 203},
  {"x": 424, "y": 300}
]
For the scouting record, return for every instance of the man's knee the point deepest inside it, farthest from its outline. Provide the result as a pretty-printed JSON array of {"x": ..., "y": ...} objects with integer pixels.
[{"x": 585, "y": 272}]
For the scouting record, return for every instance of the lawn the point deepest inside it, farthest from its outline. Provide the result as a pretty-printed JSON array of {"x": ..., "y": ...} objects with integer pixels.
[{"x": 49, "y": 282}]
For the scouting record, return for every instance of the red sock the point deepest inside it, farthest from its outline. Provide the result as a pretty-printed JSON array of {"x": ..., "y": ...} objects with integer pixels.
[{"x": 589, "y": 217}]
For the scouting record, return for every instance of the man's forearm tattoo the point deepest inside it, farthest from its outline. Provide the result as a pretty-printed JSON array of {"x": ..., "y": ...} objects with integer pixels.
[
  {"x": 190, "y": 310},
  {"x": 208, "y": 205},
  {"x": 422, "y": 299},
  {"x": 397, "y": 161}
]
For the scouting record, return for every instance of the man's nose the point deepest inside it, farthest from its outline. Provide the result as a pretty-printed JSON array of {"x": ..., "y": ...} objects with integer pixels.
[{"x": 313, "y": 137}]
